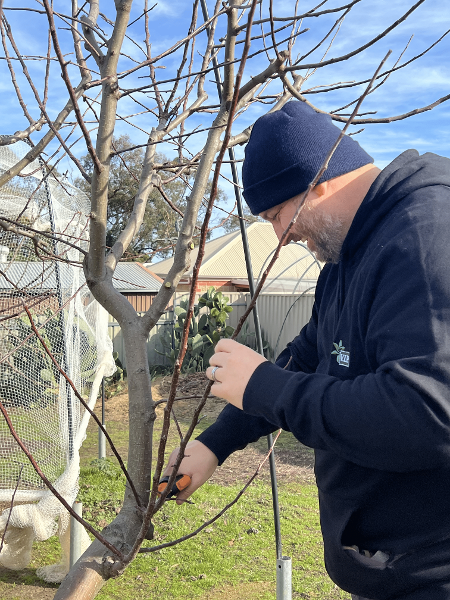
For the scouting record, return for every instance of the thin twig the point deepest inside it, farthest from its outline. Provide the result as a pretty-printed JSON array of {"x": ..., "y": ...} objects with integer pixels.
[{"x": 72, "y": 95}]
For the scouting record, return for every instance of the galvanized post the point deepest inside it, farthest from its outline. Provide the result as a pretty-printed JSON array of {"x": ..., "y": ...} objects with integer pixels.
[
  {"x": 76, "y": 531},
  {"x": 273, "y": 476},
  {"x": 101, "y": 435},
  {"x": 284, "y": 578}
]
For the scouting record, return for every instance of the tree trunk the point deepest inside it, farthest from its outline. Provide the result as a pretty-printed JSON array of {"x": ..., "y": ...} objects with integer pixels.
[{"x": 91, "y": 572}]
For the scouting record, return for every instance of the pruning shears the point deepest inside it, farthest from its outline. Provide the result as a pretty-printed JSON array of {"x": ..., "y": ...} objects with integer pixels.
[{"x": 181, "y": 482}]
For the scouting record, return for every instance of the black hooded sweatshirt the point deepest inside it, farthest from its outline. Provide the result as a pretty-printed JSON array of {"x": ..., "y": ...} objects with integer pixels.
[{"x": 368, "y": 387}]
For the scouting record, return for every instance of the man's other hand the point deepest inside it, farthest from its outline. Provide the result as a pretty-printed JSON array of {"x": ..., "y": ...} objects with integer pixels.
[
  {"x": 199, "y": 463},
  {"x": 235, "y": 365}
]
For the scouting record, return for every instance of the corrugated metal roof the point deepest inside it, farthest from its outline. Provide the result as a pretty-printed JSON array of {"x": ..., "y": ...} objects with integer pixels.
[
  {"x": 224, "y": 257},
  {"x": 134, "y": 277},
  {"x": 162, "y": 267},
  {"x": 41, "y": 276},
  {"x": 35, "y": 276}
]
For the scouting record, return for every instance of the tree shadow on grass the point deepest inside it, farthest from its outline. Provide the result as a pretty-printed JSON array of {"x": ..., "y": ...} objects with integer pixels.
[{"x": 24, "y": 577}]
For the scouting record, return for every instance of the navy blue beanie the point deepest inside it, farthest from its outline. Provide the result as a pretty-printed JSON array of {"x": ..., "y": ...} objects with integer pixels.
[{"x": 285, "y": 151}]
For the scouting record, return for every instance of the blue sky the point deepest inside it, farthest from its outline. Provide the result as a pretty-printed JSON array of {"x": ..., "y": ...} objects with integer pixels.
[{"x": 419, "y": 84}]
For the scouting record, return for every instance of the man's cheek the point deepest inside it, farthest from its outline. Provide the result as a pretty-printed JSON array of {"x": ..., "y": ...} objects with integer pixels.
[{"x": 311, "y": 245}]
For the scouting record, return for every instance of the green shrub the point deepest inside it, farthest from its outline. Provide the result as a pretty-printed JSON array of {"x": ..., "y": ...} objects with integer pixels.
[
  {"x": 30, "y": 378},
  {"x": 205, "y": 331}
]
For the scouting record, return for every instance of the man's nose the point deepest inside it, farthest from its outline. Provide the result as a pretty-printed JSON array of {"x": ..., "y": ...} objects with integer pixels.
[{"x": 279, "y": 232}]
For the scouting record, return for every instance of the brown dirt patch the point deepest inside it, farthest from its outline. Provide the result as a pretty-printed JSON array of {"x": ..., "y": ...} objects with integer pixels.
[
  {"x": 293, "y": 463},
  {"x": 249, "y": 591}
]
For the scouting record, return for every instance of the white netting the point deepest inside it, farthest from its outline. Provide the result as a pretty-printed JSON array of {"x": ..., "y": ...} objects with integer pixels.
[{"x": 43, "y": 409}]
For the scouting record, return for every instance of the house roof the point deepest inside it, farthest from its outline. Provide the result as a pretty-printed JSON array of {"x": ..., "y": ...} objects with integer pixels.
[
  {"x": 40, "y": 276},
  {"x": 224, "y": 257},
  {"x": 135, "y": 277}
]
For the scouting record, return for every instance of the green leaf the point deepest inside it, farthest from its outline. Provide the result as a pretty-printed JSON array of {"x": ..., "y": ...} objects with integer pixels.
[
  {"x": 202, "y": 322},
  {"x": 180, "y": 311},
  {"x": 207, "y": 356},
  {"x": 197, "y": 343},
  {"x": 228, "y": 309},
  {"x": 229, "y": 330},
  {"x": 47, "y": 375}
]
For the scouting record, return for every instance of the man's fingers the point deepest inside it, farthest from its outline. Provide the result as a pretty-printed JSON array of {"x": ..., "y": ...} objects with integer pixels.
[
  {"x": 213, "y": 373},
  {"x": 196, "y": 482},
  {"x": 226, "y": 345},
  {"x": 184, "y": 495},
  {"x": 199, "y": 464}
]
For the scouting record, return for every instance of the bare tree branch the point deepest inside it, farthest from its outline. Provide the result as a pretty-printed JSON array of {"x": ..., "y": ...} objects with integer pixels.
[{"x": 333, "y": 61}]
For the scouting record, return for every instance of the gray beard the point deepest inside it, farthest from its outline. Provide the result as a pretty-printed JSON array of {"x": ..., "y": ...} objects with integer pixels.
[{"x": 327, "y": 234}]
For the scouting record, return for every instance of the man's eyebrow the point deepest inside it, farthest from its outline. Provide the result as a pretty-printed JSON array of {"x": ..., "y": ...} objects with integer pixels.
[{"x": 267, "y": 215}]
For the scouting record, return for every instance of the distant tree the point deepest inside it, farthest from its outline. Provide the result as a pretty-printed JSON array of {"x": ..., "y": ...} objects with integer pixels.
[
  {"x": 233, "y": 222},
  {"x": 158, "y": 233}
]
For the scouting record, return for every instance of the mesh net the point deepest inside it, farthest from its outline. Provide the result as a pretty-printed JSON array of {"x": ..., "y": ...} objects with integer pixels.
[{"x": 41, "y": 405}]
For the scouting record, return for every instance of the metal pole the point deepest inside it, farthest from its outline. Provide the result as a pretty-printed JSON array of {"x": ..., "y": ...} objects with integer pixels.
[
  {"x": 237, "y": 192},
  {"x": 76, "y": 530},
  {"x": 284, "y": 578},
  {"x": 101, "y": 435}
]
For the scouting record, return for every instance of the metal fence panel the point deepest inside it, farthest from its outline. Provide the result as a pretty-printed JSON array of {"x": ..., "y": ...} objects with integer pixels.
[
  {"x": 282, "y": 316},
  {"x": 153, "y": 343}
]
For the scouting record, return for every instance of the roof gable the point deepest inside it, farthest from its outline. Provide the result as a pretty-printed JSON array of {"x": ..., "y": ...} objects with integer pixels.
[{"x": 224, "y": 257}]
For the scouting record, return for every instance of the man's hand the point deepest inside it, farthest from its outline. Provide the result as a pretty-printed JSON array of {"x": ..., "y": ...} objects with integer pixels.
[
  {"x": 235, "y": 365},
  {"x": 199, "y": 463}
]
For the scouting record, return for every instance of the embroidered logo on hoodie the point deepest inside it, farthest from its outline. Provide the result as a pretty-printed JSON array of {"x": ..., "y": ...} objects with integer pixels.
[{"x": 343, "y": 357}]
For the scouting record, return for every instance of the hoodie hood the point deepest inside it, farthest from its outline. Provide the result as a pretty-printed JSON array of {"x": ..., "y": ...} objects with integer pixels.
[{"x": 406, "y": 174}]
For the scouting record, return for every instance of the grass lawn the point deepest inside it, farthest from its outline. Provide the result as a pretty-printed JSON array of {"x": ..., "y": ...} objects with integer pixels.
[{"x": 233, "y": 558}]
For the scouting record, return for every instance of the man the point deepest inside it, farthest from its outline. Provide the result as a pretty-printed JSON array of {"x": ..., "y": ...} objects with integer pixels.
[{"x": 366, "y": 383}]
